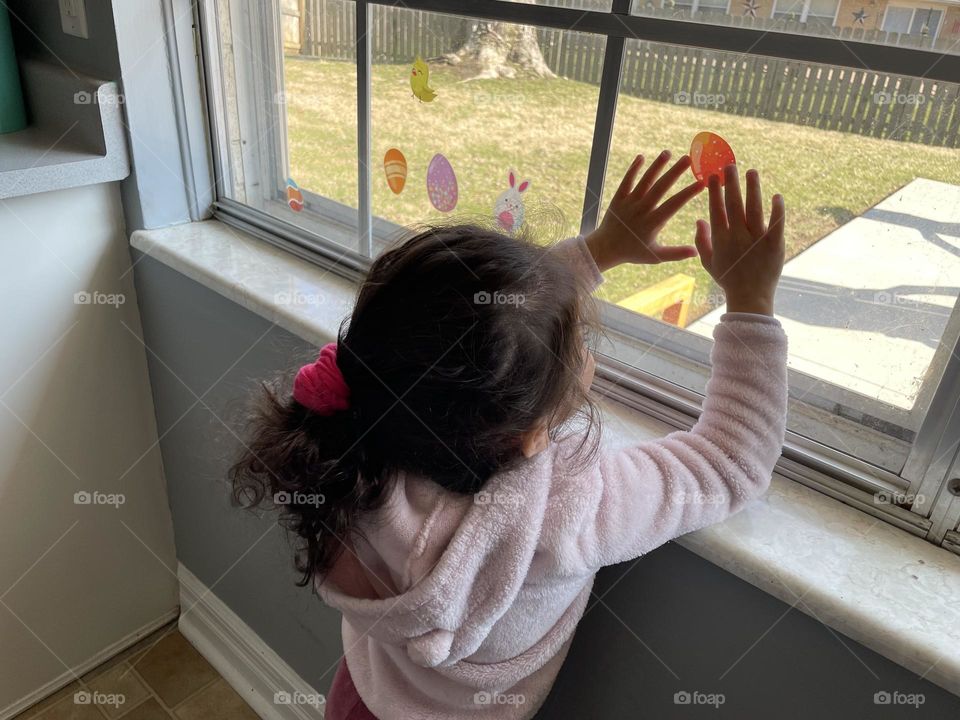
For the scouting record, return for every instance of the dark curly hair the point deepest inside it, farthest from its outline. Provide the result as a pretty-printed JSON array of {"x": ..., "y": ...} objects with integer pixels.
[{"x": 461, "y": 340}]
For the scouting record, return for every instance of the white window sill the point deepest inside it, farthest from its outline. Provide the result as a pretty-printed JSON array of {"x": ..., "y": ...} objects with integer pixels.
[{"x": 879, "y": 585}]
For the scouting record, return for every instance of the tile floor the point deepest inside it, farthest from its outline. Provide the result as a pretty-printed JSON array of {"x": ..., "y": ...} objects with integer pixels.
[{"x": 159, "y": 678}]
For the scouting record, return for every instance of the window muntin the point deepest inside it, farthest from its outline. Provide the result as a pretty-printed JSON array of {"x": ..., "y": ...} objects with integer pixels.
[{"x": 827, "y": 417}]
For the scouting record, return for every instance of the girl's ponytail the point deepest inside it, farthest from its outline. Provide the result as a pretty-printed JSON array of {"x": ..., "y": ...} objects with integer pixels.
[{"x": 304, "y": 458}]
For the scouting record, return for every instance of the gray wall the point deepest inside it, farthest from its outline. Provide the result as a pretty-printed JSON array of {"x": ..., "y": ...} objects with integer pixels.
[
  {"x": 683, "y": 621},
  {"x": 95, "y": 56}
]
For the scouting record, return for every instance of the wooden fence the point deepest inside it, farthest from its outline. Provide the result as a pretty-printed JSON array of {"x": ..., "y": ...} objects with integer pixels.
[{"x": 833, "y": 98}]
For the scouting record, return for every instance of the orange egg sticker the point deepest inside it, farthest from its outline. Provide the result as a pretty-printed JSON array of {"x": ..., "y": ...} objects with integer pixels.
[
  {"x": 395, "y": 167},
  {"x": 294, "y": 196},
  {"x": 709, "y": 155}
]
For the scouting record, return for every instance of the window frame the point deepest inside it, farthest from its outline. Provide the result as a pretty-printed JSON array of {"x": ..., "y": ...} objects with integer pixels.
[
  {"x": 805, "y": 12},
  {"x": 914, "y": 9},
  {"x": 927, "y": 507}
]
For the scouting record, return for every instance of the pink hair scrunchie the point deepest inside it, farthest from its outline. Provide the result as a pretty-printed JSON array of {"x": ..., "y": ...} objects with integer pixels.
[{"x": 320, "y": 386}]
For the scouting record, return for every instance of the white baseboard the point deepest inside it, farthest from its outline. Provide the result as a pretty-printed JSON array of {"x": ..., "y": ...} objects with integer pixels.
[
  {"x": 83, "y": 668},
  {"x": 245, "y": 661}
]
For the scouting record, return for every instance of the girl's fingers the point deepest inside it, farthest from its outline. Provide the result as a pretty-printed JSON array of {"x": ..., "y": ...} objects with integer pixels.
[
  {"x": 754, "y": 204},
  {"x": 626, "y": 185},
  {"x": 666, "y": 182},
  {"x": 652, "y": 173},
  {"x": 704, "y": 243},
  {"x": 673, "y": 253},
  {"x": 675, "y": 203},
  {"x": 718, "y": 214},
  {"x": 777, "y": 220},
  {"x": 734, "y": 201}
]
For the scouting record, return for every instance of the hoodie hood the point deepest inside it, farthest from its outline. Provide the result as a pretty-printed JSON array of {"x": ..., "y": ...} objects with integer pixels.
[{"x": 435, "y": 571}]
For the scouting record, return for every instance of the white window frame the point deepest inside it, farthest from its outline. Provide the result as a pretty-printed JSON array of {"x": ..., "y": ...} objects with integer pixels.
[
  {"x": 805, "y": 12},
  {"x": 341, "y": 239},
  {"x": 695, "y": 6},
  {"x": 913, "y": 16}
]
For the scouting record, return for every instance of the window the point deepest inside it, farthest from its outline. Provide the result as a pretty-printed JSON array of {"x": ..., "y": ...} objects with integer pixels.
[
  {"x": 335, "y": 129},
  {"x": 697, "y": 7},
  {"x": 806, "y": 10},
  {"x": 923, "y": 22}
]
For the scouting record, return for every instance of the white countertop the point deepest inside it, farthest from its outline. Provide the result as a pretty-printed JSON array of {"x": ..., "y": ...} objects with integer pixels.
[{"x": 869, "y": 580}]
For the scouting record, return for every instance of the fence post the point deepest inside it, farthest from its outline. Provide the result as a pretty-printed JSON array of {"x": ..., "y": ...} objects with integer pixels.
[{"x": 306, "y": 27}]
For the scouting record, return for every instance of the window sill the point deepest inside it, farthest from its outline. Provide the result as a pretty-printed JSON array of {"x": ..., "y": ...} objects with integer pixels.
[{"x": 881, "y": 586}]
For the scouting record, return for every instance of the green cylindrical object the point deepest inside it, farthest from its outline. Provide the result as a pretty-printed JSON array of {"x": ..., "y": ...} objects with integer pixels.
[{"x": 13, "y": 117}]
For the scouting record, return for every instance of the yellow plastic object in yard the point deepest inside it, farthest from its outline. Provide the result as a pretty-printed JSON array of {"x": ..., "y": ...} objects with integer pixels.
[{"x": 669, "y": 300}]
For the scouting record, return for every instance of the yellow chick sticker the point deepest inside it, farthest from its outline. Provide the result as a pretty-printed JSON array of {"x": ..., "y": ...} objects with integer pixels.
[{"x": 419, "y": 79}]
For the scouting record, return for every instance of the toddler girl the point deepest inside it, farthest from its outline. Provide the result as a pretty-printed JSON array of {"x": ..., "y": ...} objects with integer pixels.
[{"x": 439, "y": 464}]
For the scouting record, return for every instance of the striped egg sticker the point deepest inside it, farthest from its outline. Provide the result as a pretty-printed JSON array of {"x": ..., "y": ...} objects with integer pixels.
[{"x": 395, "y": 168}]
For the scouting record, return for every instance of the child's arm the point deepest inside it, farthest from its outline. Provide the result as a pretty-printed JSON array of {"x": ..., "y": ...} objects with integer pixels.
[{"x": 631, "y": 501}]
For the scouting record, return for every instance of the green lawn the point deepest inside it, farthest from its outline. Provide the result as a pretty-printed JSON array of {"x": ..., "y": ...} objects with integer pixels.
[{"x": 543, "y": 128}]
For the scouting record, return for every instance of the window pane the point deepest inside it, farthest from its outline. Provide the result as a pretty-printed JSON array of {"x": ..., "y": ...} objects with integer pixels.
[
  {"x": 898, "y": 19},
  {"x": 717, "y": 6},
  {"x": 289, "y": 81},
  {"x": 859, "y": 20},
  {"x": 788, "y": 8},
  {"x": 599, "y": 5},
  {"x": 925, "y": 22},
  {"x": 868, "y": 166},
  {"x": 824, "y": 8},
  {"x": 490, "y": 97},
  {"x": 320, "y": 88}
]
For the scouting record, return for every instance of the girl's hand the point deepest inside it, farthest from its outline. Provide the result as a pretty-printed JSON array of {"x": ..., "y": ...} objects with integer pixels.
[
  {"x": 742, "y": 254},
  {"x": 628, "y": 232}
]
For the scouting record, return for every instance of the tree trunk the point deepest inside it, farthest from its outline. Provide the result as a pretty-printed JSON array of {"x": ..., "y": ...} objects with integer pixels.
[{"x": 500, "y": 50}]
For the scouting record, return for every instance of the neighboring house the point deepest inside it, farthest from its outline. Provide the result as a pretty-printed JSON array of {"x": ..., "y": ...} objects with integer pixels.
[{"x": 936, "y": 20}]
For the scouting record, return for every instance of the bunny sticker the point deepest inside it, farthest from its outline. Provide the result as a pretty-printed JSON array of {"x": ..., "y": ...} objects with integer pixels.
[{"x": 508, "y": 209}]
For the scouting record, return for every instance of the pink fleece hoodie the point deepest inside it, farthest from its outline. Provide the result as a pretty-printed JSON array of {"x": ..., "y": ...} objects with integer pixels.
[{"x": 464, "y": 607}]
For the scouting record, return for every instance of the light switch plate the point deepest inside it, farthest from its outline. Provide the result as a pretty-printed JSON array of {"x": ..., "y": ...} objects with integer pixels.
[{"x": 73, "y": 18}]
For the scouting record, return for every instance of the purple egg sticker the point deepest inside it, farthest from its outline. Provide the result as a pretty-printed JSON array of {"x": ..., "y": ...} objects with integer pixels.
[{"x": 441, "y": 184}]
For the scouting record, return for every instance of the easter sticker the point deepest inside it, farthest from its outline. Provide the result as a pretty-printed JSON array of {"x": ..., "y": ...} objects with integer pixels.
[
  {"x": 294, "y": 196},
  {"x": 441, "y": 184},
  {"x": 508, "y": 209},
  {"x": 420, "y": 81},
  {"x": 709, "y": 155},
  {"x": 395, "y": 167}
]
